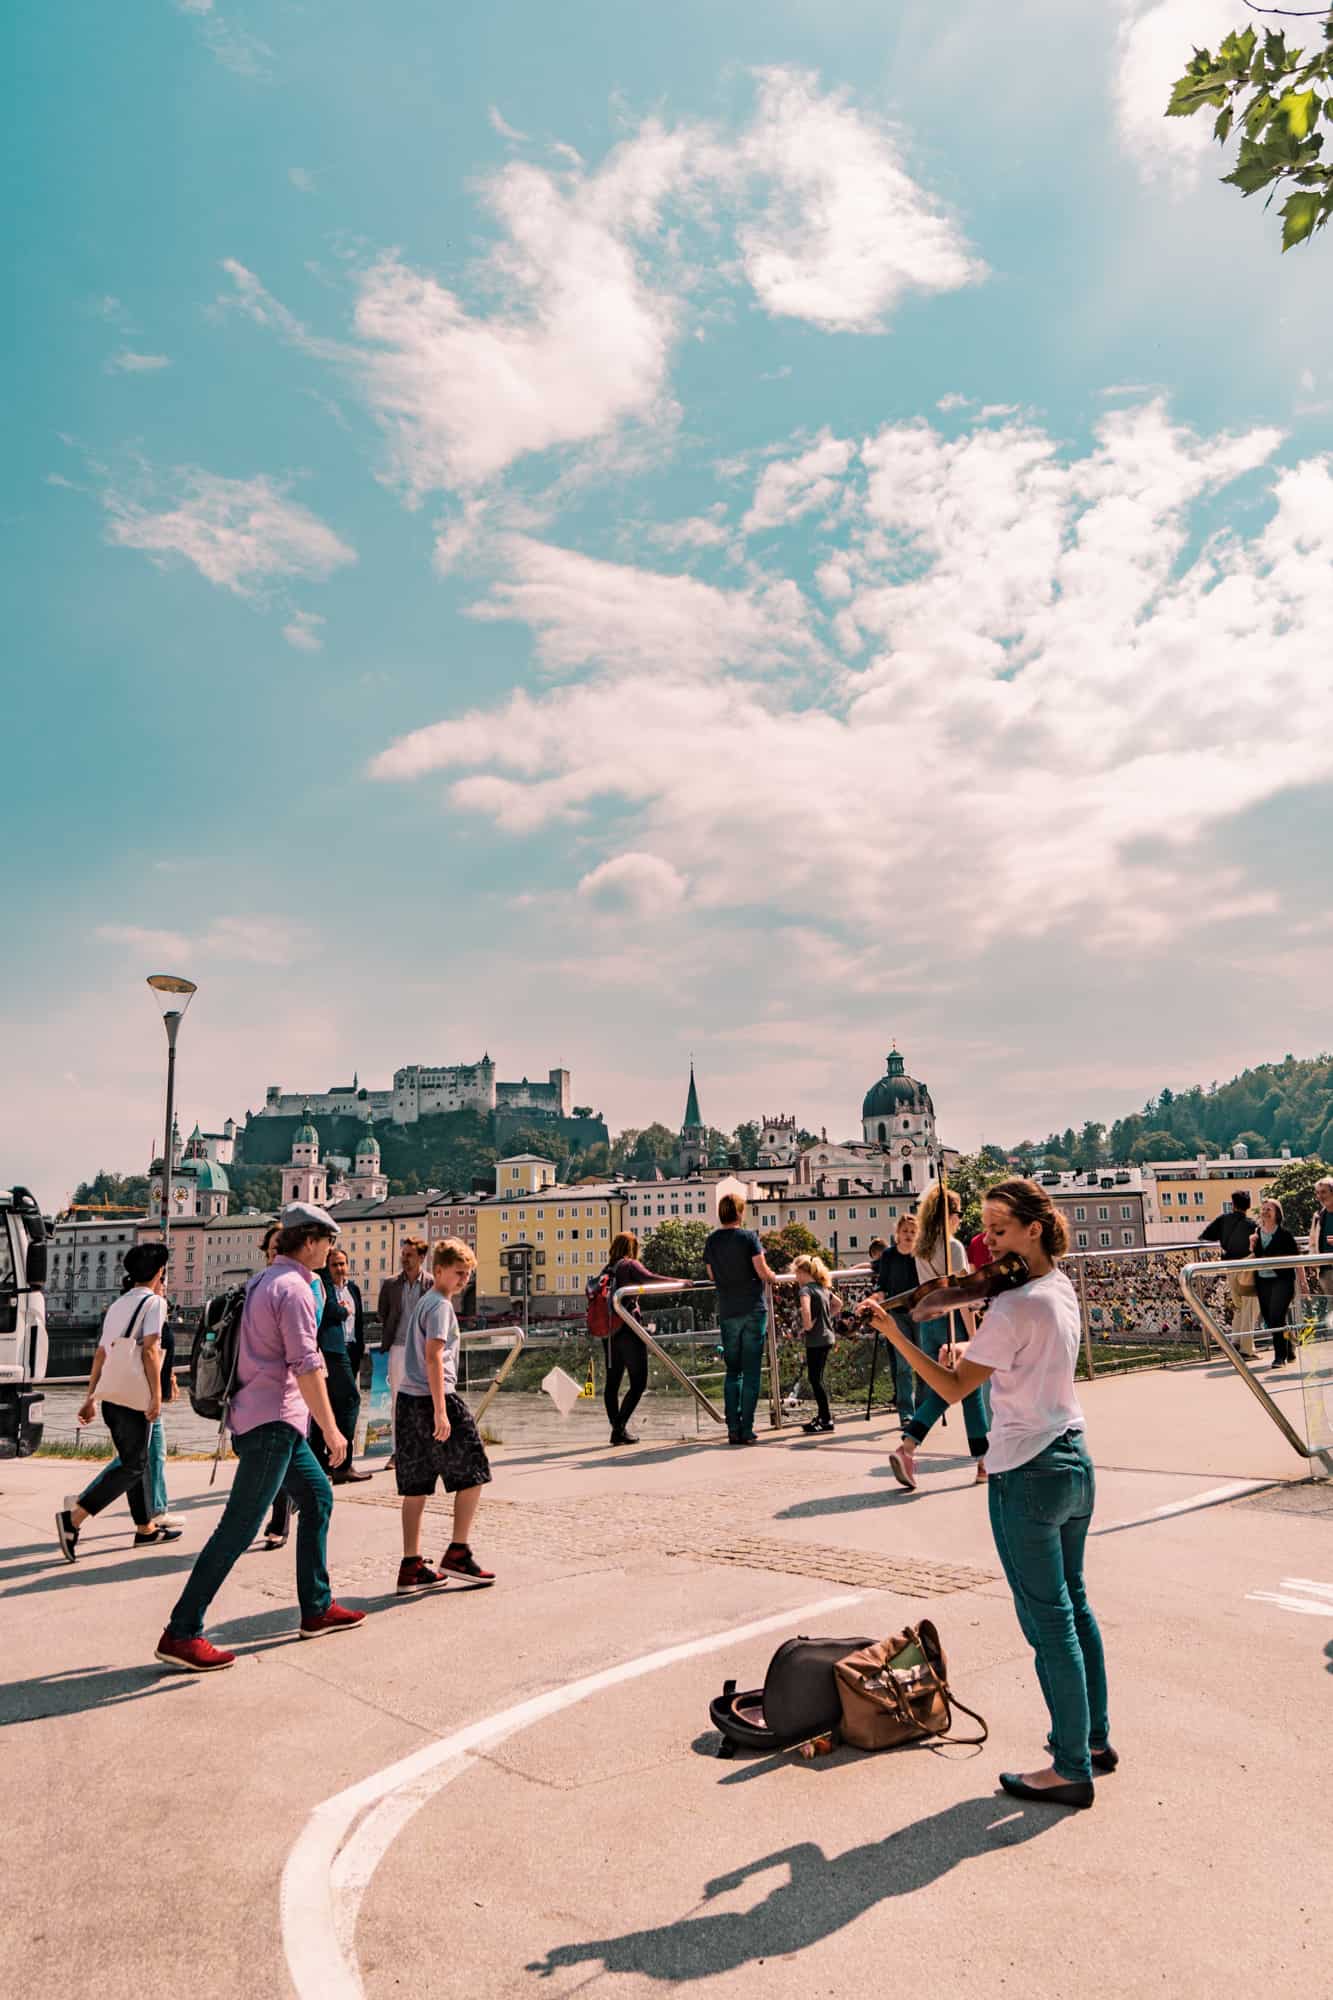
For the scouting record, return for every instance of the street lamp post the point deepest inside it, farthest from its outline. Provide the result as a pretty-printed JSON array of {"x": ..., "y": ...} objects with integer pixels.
[{"x": 173, "y": 997}]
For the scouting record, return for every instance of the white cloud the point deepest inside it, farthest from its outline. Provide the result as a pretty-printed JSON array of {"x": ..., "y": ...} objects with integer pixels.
[
  {"x": 635, "y": 884},
  {"x": 247, "y": 940},
  {"x": 1057, "y": 652},
  {"x": 239, "y": 533},
  {"x": 302, "y": 180},
  {"x": 1156, "y": 41},
  {"x": 506, "y": 131},
  {"x": 793, "y": 487},
  {"x": 129, "y": 363},
  {"x": 955, "y": 400},
  {"x": 303, "y": 632},
  {"x": 848, "y": 232}
]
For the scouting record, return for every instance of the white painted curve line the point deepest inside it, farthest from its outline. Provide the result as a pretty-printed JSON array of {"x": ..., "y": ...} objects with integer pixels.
[
  {"x": 324, "y": 1880},
  {"x": 1315, "y": 1601},
  {"x": 1213, "y": 1497}
]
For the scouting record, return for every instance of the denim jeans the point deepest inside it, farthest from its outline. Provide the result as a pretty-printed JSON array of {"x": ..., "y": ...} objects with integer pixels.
[
  {"x": 1040, "y": 1514},
  {"x": 931, "y": 1336},
  {"x": 743, "y": 1342},
  {"x": 905, "y": 1381},
  {"x": 155, "y": 1478},
  {"x": 270, "y": 1456},
  {"x": 125, "y": 1475}
]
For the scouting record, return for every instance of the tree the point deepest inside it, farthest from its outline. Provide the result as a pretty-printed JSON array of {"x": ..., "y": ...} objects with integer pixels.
[
  {"x": 1088, "y": 1152},
  {"x": 676, "y": 1249},
  {"x": 1293, "y": 1186},
  {"x": 582, "y": 1111},
  {"x": 969, "y": 1177},
  {"x": 1271, "y": 95},
  {"x": 108, "y": 1190},
  {"x": 1255, "y": 1141},
  {"x": 1153, "y": 1146},
  {"x": 747, "y": 1142},
  {"x": 256, "y": 1187},
  {"x": 783, "y": 1246}
]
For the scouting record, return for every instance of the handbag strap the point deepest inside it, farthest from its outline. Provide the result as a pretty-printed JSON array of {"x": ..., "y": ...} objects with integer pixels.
[{"x": 947, "y": 1695}]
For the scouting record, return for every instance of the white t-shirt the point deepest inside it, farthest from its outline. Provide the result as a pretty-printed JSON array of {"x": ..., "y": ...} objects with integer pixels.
[
  {"x": 1030, "y": 1338},
  {"x": 933, "y": 1267},
  {"x": 121, "y": 1311}
]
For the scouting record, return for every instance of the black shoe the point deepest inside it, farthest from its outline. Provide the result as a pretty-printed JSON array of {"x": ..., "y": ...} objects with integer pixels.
[
  {"x": 813, "y": 1428},
  {"x": 750, "y": 1439},
  {"x": 625, "y": 1437},
  {"x": 1079, "y": 1795},
  {"x": 67, "y": 1535},
  {"x": 1101, "y": 1760},
  {"x": 825, "y": 1427}
]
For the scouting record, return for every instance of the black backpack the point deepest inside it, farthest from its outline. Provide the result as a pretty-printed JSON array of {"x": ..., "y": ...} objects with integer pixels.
[
  {"x": 213, "y": 1359},
  {"x": 798, "y": 1701}
]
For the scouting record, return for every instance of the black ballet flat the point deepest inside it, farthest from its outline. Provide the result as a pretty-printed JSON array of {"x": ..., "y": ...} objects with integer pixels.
[
  {"x": 1079, "y": 1795},
  {"x": 1101, "y": 1760}
]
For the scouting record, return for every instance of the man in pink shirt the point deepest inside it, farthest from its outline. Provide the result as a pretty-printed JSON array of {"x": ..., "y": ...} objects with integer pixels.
[{"x": 279, "y": 1386}]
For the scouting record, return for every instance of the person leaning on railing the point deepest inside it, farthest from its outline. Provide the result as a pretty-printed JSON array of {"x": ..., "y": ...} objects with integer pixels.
[
  {"x": 626, "y": 1355},
  {"x": 738, "y": 1270}
]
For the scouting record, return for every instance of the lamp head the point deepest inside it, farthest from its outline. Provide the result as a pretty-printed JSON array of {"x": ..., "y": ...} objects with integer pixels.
[{"x": 173, "y": 995}]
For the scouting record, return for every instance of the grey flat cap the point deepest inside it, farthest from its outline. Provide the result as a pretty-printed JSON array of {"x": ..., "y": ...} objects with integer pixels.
[{"x": 298, "y": 1214}]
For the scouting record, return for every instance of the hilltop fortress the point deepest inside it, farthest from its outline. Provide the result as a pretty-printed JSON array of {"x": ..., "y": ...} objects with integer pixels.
[{"x": 419, "y": 1092}]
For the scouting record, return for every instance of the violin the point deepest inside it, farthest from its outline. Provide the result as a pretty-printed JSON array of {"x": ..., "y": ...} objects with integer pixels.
[{"x": 938, "y": 1296}]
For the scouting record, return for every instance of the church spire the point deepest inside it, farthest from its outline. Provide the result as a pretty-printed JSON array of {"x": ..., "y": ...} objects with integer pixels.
[{"x": 692, "y": 1117}]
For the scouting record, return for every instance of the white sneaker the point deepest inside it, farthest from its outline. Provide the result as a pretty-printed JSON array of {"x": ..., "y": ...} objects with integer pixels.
[{"x": 169, "y": 1521}]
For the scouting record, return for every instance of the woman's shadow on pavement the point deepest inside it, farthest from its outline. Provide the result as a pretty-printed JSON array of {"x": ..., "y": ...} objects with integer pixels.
[{"x": 819, "y": 1897}]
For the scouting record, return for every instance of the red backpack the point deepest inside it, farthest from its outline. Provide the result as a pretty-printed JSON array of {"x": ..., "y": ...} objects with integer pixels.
[{"x": 601, "y": 1318}]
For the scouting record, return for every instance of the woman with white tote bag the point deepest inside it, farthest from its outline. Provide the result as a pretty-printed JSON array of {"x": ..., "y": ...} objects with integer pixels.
[{"x": 127, "y": 1380}]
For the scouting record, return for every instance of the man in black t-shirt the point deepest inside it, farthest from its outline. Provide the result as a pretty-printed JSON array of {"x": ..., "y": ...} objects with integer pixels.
[
  {"x": 736, "y": 1265},
  {"x": 1233, "y": 1231},
  {"x": 896, "y": 1272}
]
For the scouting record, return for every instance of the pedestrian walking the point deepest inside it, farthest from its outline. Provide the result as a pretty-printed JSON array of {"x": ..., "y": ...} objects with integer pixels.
[
  {"x": 1321, "y": 1234},
  {"x": 895, "y": 1273},
  {"x": 738, "y": 1270},
  {"x": 438, "y": 1439},
  {"x": 281, "y": 1385},
  {"x": 818, "y": 1303},
  {"x": 938, "y": 1253},
  {"x": 126, "y": 1378},
  {"x": 1042, "y": 1484},
  {"x": 280, "y": 1520},
  {"x": 342, "y": 1342},
  {"x": 398, "y": 1300},
  {"x": 1276, "y": 1289},
  {"x": 1233, "y": 1230},
  {"x": 626, "y": 1355}
]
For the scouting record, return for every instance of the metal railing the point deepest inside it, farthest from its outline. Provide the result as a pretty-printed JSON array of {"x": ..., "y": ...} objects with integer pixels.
[
  {"x": 1303, "y": 1447},
  {"x": 1079, "y": 1263}
]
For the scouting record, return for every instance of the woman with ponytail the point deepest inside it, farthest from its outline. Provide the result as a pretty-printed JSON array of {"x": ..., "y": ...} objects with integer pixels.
[{"x": 1041, "y": 1481}]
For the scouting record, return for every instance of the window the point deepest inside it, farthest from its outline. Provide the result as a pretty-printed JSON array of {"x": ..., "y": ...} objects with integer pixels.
[
  {"x": 852, "y": 1240},
  {"x": 560, "y": 1215},
  {"x": 1103, "y": 1213},
  {"x": 851, "y": 1215},
  {"x": 812, "y": 1215},
  {"x": 574, "y": 1232},
  {"x": 833, "y": 1215},
  {"x": 1104, "y": 1238},
  {"x": 872, "y": 1213},
  {"x": 541, "y": 1235},
  {"x": 559, "y": 1256},
  {"x": 504, "y": 1235},
  {"x": 1166, "y": 1197},
  {"x": 1198, "y": 1197},
  {"x": 1126, "y": 1212},
  {"x": 1081, "y": 1238},
  {"x": 1080, "y": 1214},
  {"x": 1127, "y": 1238},
  {"x": 541, "y": 1257}
]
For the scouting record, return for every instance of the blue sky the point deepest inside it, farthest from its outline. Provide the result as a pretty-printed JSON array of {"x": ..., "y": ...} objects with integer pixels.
[{"x": 608, "y": 532}]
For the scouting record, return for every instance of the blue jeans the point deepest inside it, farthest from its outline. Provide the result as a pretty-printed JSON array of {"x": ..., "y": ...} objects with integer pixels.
[
  {"x": 905, "y": 1382},
  {"x": 743, "y": 1343},
  {"x": 1040, "y": 1514},
  {"x": 155, "y": 1478},
  {"x": 931, "y": 1336},
  {"x": 270, "y": 1456}
]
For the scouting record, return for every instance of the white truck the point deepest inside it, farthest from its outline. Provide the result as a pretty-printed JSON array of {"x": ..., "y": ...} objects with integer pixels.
[{"x": 23, "y": 1252}]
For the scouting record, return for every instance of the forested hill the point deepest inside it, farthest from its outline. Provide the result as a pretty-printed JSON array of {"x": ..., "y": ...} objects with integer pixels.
[{"x": 1287, "y": 1103}]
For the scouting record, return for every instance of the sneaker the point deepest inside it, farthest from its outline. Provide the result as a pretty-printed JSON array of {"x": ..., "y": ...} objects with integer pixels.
[
  {"x": 459, "y": 1566},
  {"x": 336, "y": 1619},
  {"x": 192, "y": 1656},
  {"x": 903, "y": 1472},
  {"x": 67, "y": 1534},
  {"x": 414, "y": 1574}
]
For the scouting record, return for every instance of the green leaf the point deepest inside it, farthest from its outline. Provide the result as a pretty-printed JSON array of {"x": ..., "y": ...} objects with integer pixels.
[
  {"x": 1300, "y": 109},
  {"x": 1257, "y": 113},
  {"x": 1300, "y": 212},
  {"x": 1223, "y": 124},
  {"x": 1191, "y": 93}
]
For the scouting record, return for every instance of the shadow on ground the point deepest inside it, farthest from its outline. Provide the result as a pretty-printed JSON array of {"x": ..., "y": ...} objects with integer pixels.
[
  {"x": 79, "y": 1689},
  {"x": 820, "y": 1896}
]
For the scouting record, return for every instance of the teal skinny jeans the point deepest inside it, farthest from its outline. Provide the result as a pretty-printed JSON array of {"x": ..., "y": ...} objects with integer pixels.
[
  {"x": 743, "y": 1342},
  {"x": 1040, "y": 1514},
  {"x": 930, "y": 1337}
]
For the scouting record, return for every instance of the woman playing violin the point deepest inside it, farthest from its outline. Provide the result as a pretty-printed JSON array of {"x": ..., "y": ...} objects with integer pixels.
[
  {"x": 938, "y": 1254},
  {"x": 1041, "y": 1483}
]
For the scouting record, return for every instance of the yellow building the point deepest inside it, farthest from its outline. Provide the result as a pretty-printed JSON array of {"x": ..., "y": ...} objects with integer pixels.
[
  {"x": 372, "y": 1232},
  {"x": 570, "y": 1230},
  {"x": 523, "y": 1173},
  {"x": 1181, "y": 1197}
]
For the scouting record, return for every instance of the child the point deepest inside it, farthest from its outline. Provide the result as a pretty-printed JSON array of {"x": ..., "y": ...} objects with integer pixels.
[
  {"x": 818, "y": 1303},
  {"x": 434, "y": 1432}
]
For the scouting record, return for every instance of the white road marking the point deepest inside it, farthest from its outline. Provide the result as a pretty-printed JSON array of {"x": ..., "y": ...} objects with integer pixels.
[
  {"x": 1316, "y": 1600},
  {"x": 1214, "y": 1496},
  {"x": 324, "y": 1880}
]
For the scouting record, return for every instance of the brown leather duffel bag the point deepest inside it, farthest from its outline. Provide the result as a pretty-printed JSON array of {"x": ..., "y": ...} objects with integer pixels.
[{"x": 898, "y": 1691}]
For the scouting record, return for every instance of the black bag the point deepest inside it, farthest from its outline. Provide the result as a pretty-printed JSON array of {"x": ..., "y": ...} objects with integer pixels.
[
  {"x": 799, "y": 1698},
  {"x": 214, "y": 1356}
]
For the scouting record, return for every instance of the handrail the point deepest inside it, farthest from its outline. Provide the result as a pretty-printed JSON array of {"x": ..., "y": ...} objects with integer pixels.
[
  {"x": 512, "y": 1337},
  {"x": 1303, "y": 1261}
]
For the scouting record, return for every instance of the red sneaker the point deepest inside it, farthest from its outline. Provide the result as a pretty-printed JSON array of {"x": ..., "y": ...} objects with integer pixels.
[
  {"x": 415, "y": 1574},
  {"x": 192, "y": 1656},
  {"x": 336, "y": 1619},
  {"x": 460, "y": 1568}
]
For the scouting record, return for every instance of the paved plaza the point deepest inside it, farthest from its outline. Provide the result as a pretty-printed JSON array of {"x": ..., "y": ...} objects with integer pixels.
[{"x": 513, "y": 1792}]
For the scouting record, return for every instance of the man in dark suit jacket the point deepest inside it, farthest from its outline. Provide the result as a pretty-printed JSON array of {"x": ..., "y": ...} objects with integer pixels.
[{"x": 342, "y": 1342}]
